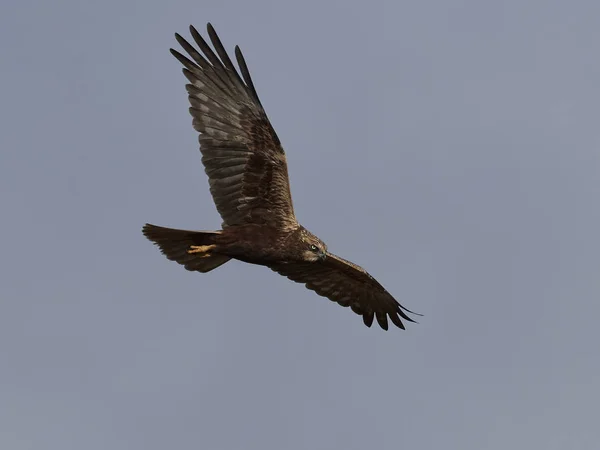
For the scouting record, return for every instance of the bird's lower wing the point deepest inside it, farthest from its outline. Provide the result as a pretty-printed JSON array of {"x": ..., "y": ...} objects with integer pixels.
[{"x": 350, "y": 286}]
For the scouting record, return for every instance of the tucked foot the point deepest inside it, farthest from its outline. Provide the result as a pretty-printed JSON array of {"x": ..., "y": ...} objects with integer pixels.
[{"x": 203, "y": 251}]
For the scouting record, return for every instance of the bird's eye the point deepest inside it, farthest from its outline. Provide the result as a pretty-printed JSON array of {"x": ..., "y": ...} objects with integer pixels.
[{"x": 313, "y": 248}]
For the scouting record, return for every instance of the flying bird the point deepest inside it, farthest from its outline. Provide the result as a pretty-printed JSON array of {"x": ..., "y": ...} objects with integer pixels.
[{"x": 248, "y": 176}]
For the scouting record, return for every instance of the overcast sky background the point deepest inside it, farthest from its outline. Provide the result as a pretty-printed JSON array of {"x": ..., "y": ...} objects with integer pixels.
[{"x": 449, "y": 147}]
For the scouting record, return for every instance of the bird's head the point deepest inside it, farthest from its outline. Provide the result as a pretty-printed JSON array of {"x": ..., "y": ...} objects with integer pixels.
[{"x": 314, "y": 248}]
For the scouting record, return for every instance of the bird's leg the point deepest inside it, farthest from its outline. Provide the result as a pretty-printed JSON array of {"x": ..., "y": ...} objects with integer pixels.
[{"x": 203, "y": 251}]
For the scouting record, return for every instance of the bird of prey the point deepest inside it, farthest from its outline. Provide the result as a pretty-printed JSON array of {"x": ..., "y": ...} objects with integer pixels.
[{"x": 248, "y": 177}]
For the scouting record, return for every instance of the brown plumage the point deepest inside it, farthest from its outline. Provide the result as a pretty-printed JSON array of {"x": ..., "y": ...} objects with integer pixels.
[{"x": 248, "y": 177}]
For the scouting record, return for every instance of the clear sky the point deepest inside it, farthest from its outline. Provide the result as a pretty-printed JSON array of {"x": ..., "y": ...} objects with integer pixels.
[{"x": 449, "y": 147}]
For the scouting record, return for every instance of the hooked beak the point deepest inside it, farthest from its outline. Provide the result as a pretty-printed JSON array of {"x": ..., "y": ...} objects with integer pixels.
[{"x": 322, "y": 256}]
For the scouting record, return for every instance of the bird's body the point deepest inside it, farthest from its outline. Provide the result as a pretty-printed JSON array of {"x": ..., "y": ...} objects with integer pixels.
[
  {"x": 248, "y": 178},
  {"x": 274, "y": 245}
]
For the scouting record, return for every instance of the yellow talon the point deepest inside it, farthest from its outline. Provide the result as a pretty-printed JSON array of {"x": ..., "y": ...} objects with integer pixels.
[{"x": 202, "y": 249}]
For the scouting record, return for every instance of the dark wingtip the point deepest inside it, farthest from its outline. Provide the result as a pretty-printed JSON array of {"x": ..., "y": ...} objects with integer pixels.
[
  {"x": 401, "y": 311},
  {"x": 180, "y": 39},
  {"x": 382, "y": 320},
  {"x": 177, "y": 54},
  {"x": 396, "y": 321},
  {"x": 148, "y": 231},
  {"x": 411, "y": 312}
]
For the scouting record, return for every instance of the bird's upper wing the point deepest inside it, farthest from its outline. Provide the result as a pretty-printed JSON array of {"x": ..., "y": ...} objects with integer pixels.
[
  {"x": 241, "y": 152},
  {"x": 349, "y": 285}
]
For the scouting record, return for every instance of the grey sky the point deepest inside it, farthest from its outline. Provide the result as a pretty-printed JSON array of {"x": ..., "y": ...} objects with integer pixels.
[{"x": 449, "y": 147}]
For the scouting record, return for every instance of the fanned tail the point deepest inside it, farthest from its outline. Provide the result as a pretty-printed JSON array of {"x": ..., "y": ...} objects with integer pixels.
[{"x": 191, "y": 249}]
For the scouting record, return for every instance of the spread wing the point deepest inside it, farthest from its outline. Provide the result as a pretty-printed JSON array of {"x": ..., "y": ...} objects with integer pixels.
[
  {"x": 241, "y": 152},
  {"x": 349, "y": 285}
]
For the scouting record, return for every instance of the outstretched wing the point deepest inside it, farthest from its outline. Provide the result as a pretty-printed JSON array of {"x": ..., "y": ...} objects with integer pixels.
[
  {"x": 241, "y": 152},
  {"x": 349, "y": 285}
]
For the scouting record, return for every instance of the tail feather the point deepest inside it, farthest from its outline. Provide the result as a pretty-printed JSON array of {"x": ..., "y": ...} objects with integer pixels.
[{"x": 174, "y": 244}]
